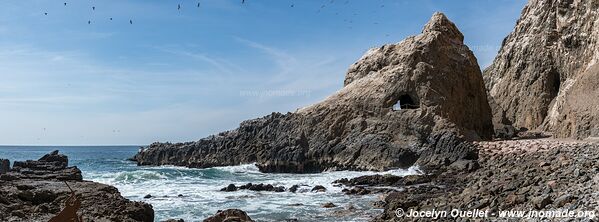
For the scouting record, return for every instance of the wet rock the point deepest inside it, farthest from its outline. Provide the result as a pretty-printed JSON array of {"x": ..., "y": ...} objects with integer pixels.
[
  {"x": 230, "y": 188},
  {"x": 229, "y": 215},
  {"x": 148, "y": 196},
  {"x": 329, "y": 205},
  {"x": 293, "y": 188},
  {"x": 254, "y": 187},
  {"x": 279, "y": 189},
  {"x": 356, "y": 191},
  {"x": 319, "y": 188},
  {"x": 370, "y": 180}
]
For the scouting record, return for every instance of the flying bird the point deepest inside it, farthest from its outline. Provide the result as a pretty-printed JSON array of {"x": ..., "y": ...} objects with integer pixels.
[
  {"x": 131, "y": 22},
  {"x": 110, "y": 19},
  {"x": 45, "y": 13},
  {"x": 242, "y": 1},
  {"x": 89, "y": 22},
  {"x": 94, "y": 8},
  {"x": 179, "y": 7},
  {"x": 65, "y": 4}
]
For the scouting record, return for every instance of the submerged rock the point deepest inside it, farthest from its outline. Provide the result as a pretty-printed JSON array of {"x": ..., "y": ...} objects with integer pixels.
[
  {"x": 547, "y": 70},
  {"x": 36, "y": 191},
  {"x": 329, "y": 205},
  {"x": 433, "y": 78}
]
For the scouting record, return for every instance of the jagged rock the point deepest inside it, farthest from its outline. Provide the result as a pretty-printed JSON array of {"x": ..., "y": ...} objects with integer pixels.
[
  {"x": 433, "y": 77},
  {"x": 50, "y": 166},
  {"x": 229, "y": 215},
  {"x": 546, "y": 71},
  {"x": 37, "y": 189},
  {"x": 4, "y": 166},
  {"x": 293, "y": 188},
  {"x": 254, "y": 187},
  {"x": 384, "y": 180}
]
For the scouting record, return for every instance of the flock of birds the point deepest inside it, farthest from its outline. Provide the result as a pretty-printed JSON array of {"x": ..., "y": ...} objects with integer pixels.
[
  {"x": 349, "y": 21},
  {"x": 131, "y": 20}
]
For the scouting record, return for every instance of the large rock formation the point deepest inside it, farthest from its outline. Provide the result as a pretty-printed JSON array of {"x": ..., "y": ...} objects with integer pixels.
[
  {"x": 36, "y": 191},
  {"x": 433, "y": 77},
  {"x": 545, "y": 76}
]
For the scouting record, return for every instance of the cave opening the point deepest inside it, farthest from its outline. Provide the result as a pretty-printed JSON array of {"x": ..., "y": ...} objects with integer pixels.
[{"x": 405, "y": 102}]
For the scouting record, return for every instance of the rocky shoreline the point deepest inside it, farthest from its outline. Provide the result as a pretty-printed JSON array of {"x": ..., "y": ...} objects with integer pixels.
[
  {"x": 35, "y": 190},
  {"x": 480, "y": 137},
  {"x": 541, "y": 174},
  {"x": 494, "y": 141}
]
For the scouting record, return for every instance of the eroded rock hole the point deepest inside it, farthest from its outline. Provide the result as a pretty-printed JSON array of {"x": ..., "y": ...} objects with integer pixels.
[{"x": 405, "y": 102}]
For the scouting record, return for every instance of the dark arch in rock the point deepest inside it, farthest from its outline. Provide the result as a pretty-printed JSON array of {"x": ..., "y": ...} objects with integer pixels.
[{"x": 405, "y": 101}]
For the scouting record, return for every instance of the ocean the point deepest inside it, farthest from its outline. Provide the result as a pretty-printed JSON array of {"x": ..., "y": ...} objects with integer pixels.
[{"x": 200, "y": 187}]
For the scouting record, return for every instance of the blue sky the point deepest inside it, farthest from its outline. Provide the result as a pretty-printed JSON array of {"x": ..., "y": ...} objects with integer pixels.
[{"x": 180, "y": 75}]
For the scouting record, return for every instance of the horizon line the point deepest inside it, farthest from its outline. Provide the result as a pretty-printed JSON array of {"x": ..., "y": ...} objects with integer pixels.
[{"x": 70, "y": 145}]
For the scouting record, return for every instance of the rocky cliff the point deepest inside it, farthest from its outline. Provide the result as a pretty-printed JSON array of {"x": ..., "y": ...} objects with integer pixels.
[
  {"x": 414, "y": 102},
  {"x": 35, "y": 190},
  {"x": 545, "y": 75}
]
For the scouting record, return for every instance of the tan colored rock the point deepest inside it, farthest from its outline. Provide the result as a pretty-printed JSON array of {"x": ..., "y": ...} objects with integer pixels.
[
  {"x": 545, "y": 76},
  {"x": 433, "y": 77}
]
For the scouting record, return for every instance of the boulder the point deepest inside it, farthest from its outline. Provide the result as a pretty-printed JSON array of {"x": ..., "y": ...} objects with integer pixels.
[
  {"x": 230, "y": 215},
  {"x": 547, "y": 70},
  {"x": 415, "y": 102},
  {"x": 230, "y": 188},
  {"x": 319, "y": 188}
]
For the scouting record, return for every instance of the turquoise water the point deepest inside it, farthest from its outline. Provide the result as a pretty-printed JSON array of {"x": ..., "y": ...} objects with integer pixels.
[{"x": 199, "y": 187}]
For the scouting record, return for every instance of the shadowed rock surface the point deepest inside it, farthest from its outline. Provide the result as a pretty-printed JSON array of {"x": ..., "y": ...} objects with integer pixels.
[
  {"x": 545, "y": 75},
  {"x": 433, "y": 76},
  {"x": 34, "y": 190}
]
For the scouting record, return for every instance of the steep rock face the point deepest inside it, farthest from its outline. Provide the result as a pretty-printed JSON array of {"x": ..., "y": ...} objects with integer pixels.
[
  {"x": 35, "y": 190},
  {"x": 542, "y": 68},
  {"x": 434, "y": 77}
]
